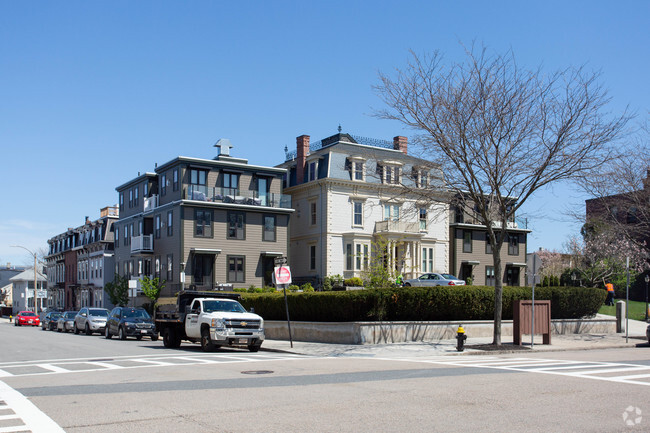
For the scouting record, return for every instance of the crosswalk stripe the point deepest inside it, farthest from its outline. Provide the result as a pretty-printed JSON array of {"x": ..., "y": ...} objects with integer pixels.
[{"x": 33, "y": 419}]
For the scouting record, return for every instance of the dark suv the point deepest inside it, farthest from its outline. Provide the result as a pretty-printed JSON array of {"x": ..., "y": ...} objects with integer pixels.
[{"x": 130, "y": 322}]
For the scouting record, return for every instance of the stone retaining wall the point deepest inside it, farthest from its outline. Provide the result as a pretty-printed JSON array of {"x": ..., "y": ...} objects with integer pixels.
[{"x": 401, "y": 332}]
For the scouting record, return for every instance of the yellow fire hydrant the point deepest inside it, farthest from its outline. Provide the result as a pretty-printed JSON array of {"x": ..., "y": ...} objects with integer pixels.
[{"x": 460, "y": 337}]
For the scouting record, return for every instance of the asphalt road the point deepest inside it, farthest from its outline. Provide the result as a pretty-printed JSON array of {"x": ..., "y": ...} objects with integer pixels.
[{"x": 78, "y": 383}]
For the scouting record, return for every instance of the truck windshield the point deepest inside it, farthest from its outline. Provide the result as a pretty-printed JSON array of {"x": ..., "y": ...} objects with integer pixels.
[{"x": 230, "y": 306}]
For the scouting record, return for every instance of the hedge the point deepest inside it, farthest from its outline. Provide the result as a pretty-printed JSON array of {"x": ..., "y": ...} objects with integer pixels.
[{"x": 440, "y": 303}]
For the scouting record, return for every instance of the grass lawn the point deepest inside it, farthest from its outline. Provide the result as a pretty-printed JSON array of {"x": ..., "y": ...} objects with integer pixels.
[{"x": 637, "y": 310}]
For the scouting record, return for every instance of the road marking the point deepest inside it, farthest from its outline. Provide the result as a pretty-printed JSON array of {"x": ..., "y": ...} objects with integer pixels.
[
  {"x": 580, "y": 369},
  {"x": 26, "y": 414},
  {"x": 85, "y": 365}
]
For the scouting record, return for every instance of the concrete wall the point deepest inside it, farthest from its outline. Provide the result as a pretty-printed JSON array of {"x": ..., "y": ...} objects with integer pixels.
[{"x": 401, "y": 332}]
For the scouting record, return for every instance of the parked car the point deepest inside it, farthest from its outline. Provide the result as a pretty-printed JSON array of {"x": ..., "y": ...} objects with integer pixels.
[
  {"x": 434, "y": 279},
  {"x": 65, "y": 323},
  {"x": 26, "y": 318},
  {"x": 130, "y": 322},
  {"x": 90, "y": 320},
  {"x": 647, "y": 333},
  {"x": 49, "y": 321}
]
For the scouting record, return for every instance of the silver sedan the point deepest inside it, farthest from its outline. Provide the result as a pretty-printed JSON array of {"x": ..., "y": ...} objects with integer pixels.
[{"x": 434, "y": 279}]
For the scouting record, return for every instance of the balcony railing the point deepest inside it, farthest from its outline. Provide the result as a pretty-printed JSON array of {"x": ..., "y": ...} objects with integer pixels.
[
  {"x": 142, "y": 244},
  {"x": 150, "y": 203},
  {"x": 397, "y": 226},
  {"x": 237, "y": 196}
]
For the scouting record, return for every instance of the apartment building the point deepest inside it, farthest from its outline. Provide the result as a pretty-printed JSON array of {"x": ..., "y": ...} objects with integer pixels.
[
  {"x": 471, "y": 250},
  {"x": 202, "y": 223},
  {"x": 356, "y": 200},
  {"x": 80, "y": 262}
]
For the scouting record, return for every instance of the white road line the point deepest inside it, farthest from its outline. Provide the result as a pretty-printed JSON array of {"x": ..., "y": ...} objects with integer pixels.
[
  {"x": 34, "y": 420},
  {"x": 106, "y": 365},
  {"x": 52, "y": 368},
  {"x": 631, "y": 377},
  {"x": 5, "y": 373},
  {"x": 608, "y": 370}
]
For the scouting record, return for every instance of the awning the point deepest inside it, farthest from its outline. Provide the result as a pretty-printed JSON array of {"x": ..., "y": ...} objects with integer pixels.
[
  {"x": 516, "y": 265},
  {"x": 470, "y": 262},
  {"x": 205, "y": 251},
  {"x": 272, "y": 253}
]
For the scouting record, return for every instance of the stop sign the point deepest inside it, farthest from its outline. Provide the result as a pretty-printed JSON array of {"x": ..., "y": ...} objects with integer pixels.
[{"x": 282, "y": 275}]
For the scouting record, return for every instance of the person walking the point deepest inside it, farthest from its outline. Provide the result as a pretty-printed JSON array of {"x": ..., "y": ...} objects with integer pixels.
[{"x": 610, "y": 293}]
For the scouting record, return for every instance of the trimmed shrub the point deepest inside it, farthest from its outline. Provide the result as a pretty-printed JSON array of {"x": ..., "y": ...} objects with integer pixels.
[
  {"x": 353, "y": 282},
  {"x": 420, "y": 304}
]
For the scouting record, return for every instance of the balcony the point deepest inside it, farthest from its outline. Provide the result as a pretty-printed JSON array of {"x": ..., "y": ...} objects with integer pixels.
[
  {"x": 142, "y": 244},
  {"x": 150, "y": 203},
  {"x": 236, "y": 196},
  {"x": 392, "y": 226}
]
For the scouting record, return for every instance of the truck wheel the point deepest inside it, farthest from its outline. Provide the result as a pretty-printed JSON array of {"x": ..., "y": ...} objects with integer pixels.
[
  {"x": 121, "y": 334},
  {"x": 171, "y": 339},
  {"x": 254, "y": 347},
  {"x": 107, "y": 333},
  {"x": 206, "y": 342}
]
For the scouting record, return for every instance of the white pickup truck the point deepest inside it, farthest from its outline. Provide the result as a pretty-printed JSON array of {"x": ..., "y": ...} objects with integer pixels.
[{"x": 214, "y": 319}]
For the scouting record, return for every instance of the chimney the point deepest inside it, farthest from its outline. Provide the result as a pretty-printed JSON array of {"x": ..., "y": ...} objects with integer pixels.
[
  {"x": 400, "y": 143},
  {"x": 87, "y": 220},
  {"x": 302, "y": 150}
]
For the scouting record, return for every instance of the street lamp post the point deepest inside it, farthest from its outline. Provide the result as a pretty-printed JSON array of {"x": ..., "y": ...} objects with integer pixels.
[
  {"x": 35, "y": 279},
  {"x": 647, "y": 279}
]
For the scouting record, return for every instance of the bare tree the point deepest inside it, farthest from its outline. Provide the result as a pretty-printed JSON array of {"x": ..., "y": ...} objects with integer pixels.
[{"x": 501, "y": 132}]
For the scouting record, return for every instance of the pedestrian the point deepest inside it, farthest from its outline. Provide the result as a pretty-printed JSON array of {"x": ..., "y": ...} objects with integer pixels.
[
  {"x": 610, "y": 293},
  {"x": 399, "y": 281}
]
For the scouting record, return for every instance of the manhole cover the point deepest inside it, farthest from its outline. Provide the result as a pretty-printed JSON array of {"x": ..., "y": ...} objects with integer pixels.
[{"x": 257, "y": 372}]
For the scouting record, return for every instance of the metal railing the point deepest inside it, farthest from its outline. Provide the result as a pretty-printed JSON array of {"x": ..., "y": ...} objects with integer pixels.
[
  {"x": 236, "y": 196},
  {"x": 397, "y": 226},
  {"x": 142, "y": 244},
  {"x": 150, "y": 203}
]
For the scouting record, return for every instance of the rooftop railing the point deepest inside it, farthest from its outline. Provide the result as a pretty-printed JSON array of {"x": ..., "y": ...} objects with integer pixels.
[{"x": 236, "y": 196}]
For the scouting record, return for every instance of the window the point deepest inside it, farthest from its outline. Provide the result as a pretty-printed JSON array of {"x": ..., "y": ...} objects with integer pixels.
[
  {"x": 421, "y": 179},
  {"x": 358, "y": 213},
  {"x": 366, "y": 256},
  {"x": 312, "y": 257},
  {"x": 358, "y": 257},
  {"x": 488, "y": 244},
  {"x": 236, "y": 225},
  {"x": 489, "y": 276},
  {"x": 202, "y": 223},
  {"x": 513, "y": 245},
  {"x": 263, "y": 190},
  {"x": 170, "y": 221},
  {"x": 170, "y": 267},
  {"x": 357, "y": 168},
  {"x": 157, "y": 268},
  {"x": 163, "y": 184},
  {"x": 197, "y": 177},
  {"x": 146, "y": 190},
  {"x": 126, "y": 235},
  {"x": 423, "y": 219},
  {"x": 175, "y": 179},
  {"x": 231, "y": 183},
  {"x": 130, "y": 233},
  {"x": 391, "y": 212},
  {"x": 348, "y": 257},
  {"x": 236, "y": 269},
  {"x": 390, "y": 174},
  {"x": 130, "y": 198},
  {"x": 467, "y": 241},
  {"x": 312, "y": 212},
  {"x": 157, "y": 227},
  {"x": 117, "y": 236},
  {"x": 136, "y": 192},
  {"x": 427, "y": 260},
  {"x": 268, "y": 233},
  {"x": 312, "y": 171},
  {"x": 121, "y": 201}
]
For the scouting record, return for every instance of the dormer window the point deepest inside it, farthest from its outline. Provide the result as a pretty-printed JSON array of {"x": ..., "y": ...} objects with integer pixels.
[
  {"x": 421, "y": 178},
  {"x": 390, "y": 174},
  {"x": 311, "y": 169}
]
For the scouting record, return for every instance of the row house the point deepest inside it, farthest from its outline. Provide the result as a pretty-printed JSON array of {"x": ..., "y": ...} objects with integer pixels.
[
  {"x": 202, "y": 223},
  {"x": 471, "y": 251},
  {"x": 23, "y": 293},
  {"x": 80, "y": 262},
  {"x": 357, "y": 200}
]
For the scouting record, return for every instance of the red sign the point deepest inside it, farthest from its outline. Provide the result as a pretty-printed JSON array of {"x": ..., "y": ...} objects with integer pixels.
[{"x": 282, "y": 275}]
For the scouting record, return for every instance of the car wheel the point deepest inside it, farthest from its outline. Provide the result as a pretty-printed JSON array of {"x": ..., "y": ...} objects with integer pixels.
[
  {"x": 206, "y": 342},
  {"x": 58, "y": 329},
  {"x": 121, "y": 334},
  {"x": 171, "y": 339},
  {"x": 107, "y": 333},
  {"x": 407, "y": 284},
  {"x": 15, "y": 323},
  {"x": 88, "y": 331},
  {"x": 76, "y": 330},
  {"x": 154, "y": 337},
  {"x": 254, "y": 347},
  {"x": 138, "y": 337}
]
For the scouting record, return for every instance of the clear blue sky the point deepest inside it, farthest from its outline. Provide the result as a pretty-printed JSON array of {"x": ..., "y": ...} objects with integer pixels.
[{"x": 91, "y": 92}]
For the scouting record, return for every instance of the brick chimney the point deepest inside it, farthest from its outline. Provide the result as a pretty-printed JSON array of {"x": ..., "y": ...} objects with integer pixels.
[
  {"x": 302, "y": 150},
  {"x": 400, "y": 143}
]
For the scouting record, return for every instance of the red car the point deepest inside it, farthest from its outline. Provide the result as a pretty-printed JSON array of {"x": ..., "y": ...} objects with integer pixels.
[{"x": 27, "y": 318}]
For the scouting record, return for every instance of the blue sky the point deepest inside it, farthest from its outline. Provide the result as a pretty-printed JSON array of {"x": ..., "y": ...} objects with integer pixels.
[{"x": 91, "y": 93}]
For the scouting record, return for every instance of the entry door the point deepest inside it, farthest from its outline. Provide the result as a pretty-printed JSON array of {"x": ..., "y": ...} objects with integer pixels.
[
  {"x": 512, "y": 276},
  {"x": 202, "y": 269},
  {"x": 267, "y": 270}
]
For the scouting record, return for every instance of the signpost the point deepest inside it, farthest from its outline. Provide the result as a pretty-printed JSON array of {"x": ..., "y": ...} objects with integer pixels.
[{"x": 282, "y": 278}]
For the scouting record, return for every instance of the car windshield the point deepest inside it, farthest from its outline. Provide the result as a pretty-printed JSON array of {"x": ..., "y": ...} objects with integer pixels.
[
  {"x": 55, "y": 315},
  {"x": 102, "y": 313},
  {"x": 138, "y": 314},
  {"x": 448, "y": 277},
  {"x": 28, "y": 313},
  {"x": 230, "y": 306},
  {"x": 70, "y": 314}
]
